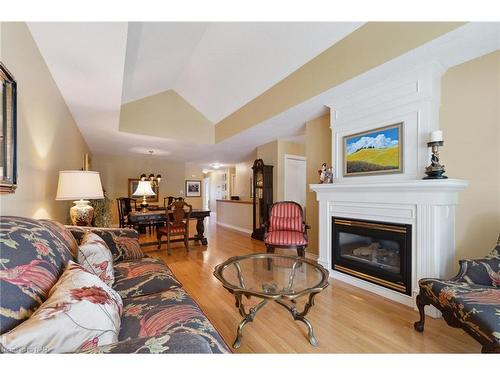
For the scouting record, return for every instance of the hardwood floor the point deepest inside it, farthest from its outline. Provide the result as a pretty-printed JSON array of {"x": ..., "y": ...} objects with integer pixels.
[{"x": 345, "y": 319}]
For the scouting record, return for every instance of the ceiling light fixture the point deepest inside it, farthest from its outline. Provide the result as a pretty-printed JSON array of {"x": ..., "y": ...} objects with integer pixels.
[
  {"x": 155, "y": 181},
  {"x": 215, "y": 165}
]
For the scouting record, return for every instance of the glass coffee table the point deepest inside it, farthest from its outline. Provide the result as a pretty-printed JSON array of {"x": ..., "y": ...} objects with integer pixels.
[{"x": 272, "y": 277}]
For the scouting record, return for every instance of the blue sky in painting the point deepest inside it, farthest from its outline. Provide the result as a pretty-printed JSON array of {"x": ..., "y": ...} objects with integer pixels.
[{"x": 378, "y": 139}]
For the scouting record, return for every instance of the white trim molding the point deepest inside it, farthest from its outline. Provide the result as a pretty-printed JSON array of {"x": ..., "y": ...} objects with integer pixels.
[
  {"x": 371, "y": 101},
  {"x": 234, "y": 227}
]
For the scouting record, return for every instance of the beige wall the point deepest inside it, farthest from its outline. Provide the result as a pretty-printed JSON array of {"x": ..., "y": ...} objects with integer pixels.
[
  {"x": 48, "y": 137},
  {"x": 215, "y": 181},
  {"x": 235, "y": 214},
  {"x": 369, "y": 46},
  {"x": 470, "y": 120},
  {"x": 116, "y": 170},
  {"x": 318, "y": 151},
  {"x": 242, "y": 181},
  {"x": 168, "y": 115},
  {"x": 273, "y": 153}
]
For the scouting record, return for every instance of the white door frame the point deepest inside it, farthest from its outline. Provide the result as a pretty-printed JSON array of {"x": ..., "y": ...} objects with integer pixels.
[{"x": 291, "y": 157}]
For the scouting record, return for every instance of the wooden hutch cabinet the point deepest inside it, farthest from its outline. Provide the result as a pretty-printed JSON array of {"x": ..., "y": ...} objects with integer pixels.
[{"x": 262, "y": 196}]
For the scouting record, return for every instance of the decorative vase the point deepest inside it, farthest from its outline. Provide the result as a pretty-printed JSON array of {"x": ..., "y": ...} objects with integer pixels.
[{"x": 81, "y": 213}]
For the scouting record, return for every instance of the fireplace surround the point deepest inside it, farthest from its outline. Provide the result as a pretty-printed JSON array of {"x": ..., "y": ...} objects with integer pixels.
[
  {"x": 374, "y": 251},
  {"x": 428, "y": 206},
  {"x": 410, "y": 95}
]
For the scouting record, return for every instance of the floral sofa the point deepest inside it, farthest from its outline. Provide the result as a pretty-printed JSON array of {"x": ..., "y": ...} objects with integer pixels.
[
  {"x": 470, "y": 300},
  {"x": 158, "y": 316}
]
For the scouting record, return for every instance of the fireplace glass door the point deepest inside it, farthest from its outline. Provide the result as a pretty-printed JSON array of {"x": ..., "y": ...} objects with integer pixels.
[{"x": 377, "y": 252}]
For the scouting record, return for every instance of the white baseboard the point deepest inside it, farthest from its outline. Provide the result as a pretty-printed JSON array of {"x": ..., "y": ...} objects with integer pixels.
[
  {"x": 374, "y": 288},
  {"x": 234, "y": 227},
  {"x": 384, "y": 292}
]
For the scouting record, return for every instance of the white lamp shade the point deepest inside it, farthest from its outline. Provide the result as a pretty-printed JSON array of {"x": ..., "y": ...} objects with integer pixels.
[
  {"x": 74, "y": 185},
  {"x": 144, "y": 189}
]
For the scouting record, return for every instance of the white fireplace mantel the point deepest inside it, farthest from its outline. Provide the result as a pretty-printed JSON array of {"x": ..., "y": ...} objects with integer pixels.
[{"x": 427, "y": 205}]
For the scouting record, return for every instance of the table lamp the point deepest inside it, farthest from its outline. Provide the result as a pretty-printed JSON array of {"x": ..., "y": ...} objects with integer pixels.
[
  {"x": 144, "y": 190},
  {"x": 78, "y": 186}
]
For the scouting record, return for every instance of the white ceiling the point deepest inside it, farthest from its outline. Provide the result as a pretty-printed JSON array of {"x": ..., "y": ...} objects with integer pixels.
[
  {"x": 220, "y": 66},
  {"x": 217, "y": 67},
  {"x": 86, "y": 61},
  {"x": 157, "y": 53}
]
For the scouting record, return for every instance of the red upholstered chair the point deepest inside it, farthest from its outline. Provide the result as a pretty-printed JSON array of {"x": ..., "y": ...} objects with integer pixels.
[
  {"x": 286, "y": 228},
  {"x": 177, "y": 223}
]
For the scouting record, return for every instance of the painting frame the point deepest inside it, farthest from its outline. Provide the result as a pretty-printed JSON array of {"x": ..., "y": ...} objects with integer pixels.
[
  {"x": 132, "y": 185},
  {"x": 193, "y": 188},
  {"x": 371, "y": 168},
  {"x": 8, "y": 131}
]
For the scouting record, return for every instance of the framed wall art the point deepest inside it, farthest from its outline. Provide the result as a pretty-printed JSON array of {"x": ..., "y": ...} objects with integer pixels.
[
  {"x": 8, "y": 131},
  {"x": 193, "y": 188},
  {"x": 377, "y": 151},
  {"x": 132, "y": 186}
]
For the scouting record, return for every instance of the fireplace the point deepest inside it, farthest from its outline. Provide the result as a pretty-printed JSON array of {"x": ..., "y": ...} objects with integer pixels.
[{"x": 373, "y": 251}]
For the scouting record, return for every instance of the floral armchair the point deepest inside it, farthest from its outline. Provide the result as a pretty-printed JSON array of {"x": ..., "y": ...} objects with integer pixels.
[{"x": 470, "y": 300}]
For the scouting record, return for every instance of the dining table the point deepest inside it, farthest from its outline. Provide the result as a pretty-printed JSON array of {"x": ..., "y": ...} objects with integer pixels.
[{"x": 160, "y": 216}]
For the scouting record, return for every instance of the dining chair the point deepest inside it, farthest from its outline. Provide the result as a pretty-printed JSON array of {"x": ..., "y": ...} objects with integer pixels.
[
  {"x": 124, "y": 205},
  {"x": 167, "y": 201},
  {"x": 286, "y": 228},
  {"x": 177, "y": 223}
]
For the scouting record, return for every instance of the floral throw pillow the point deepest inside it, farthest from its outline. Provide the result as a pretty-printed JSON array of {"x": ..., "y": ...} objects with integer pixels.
[
  {"x": 95, "y": 256},
  {"x": 82, "y": 312}
]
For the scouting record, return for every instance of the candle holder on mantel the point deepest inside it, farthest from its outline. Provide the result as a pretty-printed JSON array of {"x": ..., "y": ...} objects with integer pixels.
[{"x": 435, "y": 170}]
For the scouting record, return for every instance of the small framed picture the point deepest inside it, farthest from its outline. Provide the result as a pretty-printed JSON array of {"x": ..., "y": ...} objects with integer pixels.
[
  {"x": 377, "y": 151},
  {"x": 193, "y": 188}
]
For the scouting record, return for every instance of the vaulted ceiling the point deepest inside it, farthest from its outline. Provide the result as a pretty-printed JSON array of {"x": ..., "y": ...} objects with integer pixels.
[
  {"x": 170, "y": 86},
  {"x": 215, "y": 68},
  {"x": 218, "y": 67}
]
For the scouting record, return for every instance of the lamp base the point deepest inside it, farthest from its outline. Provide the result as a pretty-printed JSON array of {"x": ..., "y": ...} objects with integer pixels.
[
  {"x": 81, "y": 213},
  {"x": 144, "y": 204}
]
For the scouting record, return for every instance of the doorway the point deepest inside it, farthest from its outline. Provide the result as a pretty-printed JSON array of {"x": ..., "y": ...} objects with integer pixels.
[
  {"x": 295, "y": 179},
  {"x": 206, "y": 193}
]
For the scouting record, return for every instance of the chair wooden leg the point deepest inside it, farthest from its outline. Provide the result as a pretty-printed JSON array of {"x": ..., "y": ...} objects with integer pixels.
[
  {"x": 158, "y": 237},
  {"x": 301, "y": 251},
  {"x": 186, "y": 241},
  {"x": 168, "y": 245},
  {"x": 421, "y": 303}
]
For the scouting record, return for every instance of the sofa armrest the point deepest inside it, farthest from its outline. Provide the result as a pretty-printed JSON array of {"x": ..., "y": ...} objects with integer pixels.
[
  {"x": 78, "y": 232},
  {"x": 484, "y": 271},
  {"x": 123, "y": 242}
]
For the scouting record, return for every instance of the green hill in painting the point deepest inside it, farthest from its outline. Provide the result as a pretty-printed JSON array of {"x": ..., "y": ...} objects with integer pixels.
[{"x": 373, "y": 159}]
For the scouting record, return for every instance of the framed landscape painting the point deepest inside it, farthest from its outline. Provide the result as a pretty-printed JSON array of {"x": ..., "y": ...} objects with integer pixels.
[{"x": 377, "y": 151}]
